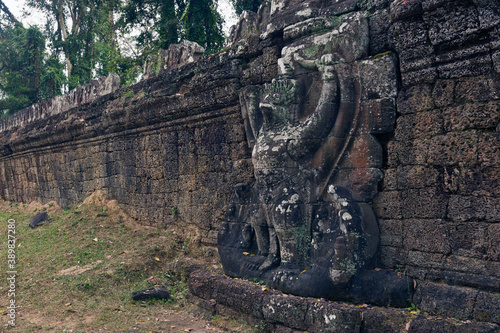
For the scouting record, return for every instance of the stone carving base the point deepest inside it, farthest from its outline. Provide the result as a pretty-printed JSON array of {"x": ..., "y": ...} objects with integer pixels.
[{"x": 273, "y": 311}]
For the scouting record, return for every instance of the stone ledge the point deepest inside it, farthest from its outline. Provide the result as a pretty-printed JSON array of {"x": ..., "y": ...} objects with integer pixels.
[{"x": 278, "y": 312}]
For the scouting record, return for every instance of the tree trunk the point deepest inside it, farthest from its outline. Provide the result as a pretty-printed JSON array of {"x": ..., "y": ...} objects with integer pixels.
[{"x": 64, "y": 33}]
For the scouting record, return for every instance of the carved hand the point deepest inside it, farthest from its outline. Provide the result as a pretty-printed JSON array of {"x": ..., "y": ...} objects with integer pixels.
[{"x": 326, "y": 66}]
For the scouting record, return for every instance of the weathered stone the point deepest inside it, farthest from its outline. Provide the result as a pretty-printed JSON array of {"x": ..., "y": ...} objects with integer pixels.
[
  {"x": 60, "y": 104},
  {"x": 391, "y": 232},
  {"x": 379, "y": 23},
  {"x": 443, "y": 299},
  {"x": 489, "y": 13},
  {"x": 288, "y": 221},
  {"x": 383, "y": 288},
  {"x": 415, "y": 99},
  {"x": 443, "y": 92},
  {"x": 424, "y": 325},
  {"x": 424, "y": 203},
  {"x": 154, "y": 292},
  {"x": 436, "y": 238},
  {"x": 175, "y": 56},
  {"x": 419, "y": 125},
  {"x": 487, "y": 307},
  {"x": 417, "y": 176},
  {"x": 493, "y": 250},
  {"x": 445, "y": 24},
  {"x": 38, "y": 219},
  {"x": 454, "y": 149},
  {"x": 384, "y": 321}
]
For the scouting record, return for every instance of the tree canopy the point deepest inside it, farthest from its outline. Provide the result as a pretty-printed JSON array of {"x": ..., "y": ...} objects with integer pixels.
[{"x": 84, "y": 39}]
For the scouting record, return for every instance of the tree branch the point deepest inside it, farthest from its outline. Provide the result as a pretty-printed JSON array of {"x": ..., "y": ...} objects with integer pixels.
[{"x": 11, "y": 16}]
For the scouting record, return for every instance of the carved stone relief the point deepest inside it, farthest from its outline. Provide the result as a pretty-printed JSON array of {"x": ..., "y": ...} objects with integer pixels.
[{"x": 306, "y": 225}]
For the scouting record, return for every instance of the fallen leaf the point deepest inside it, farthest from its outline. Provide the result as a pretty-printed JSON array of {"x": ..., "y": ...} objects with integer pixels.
[
  {"x": 157, "y": 259},
  {"x": 67, "y": 304},
  {"x": 246, "y": 253},
  {"x": 303, "y": 271},
  {"x": 95, "y": 239}
]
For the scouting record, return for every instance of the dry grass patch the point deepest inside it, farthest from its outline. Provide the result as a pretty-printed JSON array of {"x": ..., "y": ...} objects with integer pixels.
[{"x": 77, "y": 272}]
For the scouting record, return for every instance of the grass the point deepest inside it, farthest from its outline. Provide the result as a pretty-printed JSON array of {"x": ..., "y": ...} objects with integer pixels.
[{"x": 77, "y": 272}]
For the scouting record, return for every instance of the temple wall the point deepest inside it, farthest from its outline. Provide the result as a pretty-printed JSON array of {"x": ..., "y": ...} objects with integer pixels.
[{"x": 173, "y": 146}]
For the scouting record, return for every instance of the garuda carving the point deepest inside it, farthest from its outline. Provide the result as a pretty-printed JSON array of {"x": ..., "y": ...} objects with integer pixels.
[{"x": 305, "y": 226}]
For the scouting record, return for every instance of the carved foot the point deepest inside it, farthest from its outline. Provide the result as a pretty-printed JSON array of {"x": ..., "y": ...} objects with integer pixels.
[{"x": 271, "y": 261}]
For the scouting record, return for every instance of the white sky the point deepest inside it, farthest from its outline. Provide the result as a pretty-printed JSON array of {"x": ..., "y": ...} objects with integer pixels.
[{"x": 36, "y": 18}]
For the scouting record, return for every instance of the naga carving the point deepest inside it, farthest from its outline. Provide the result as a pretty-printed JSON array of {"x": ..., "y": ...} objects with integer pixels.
[{"x": 306, "y": 226}]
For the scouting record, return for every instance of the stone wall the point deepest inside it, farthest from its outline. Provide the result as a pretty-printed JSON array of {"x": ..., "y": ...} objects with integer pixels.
[
  {"x": 58, "y": 104},
  {"x": 168, "y": 148},
  {"x": 439, "y": 208},
  {"x": 176, "y": 143}
]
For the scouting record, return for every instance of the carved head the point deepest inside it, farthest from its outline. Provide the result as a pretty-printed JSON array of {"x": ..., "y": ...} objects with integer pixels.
[{"x": 280, "y": 102}]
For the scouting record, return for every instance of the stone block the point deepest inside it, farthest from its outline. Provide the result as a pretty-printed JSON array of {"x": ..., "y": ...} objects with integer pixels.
[
  {"x": 406, "y": 35},
  {"x": 389, "y": 182},
  {"x": 379, "y": 23},
  {"x": 436, "y": 239},
  {"x": 419, "y": 125},
  {"x": 333, "y": 317},
  {"x": 493, "y": 242},
  {"x": 424, "y": 203},
  {"x": 426, "y": 325},
  {"x": 473, "y": 208},
  {"x": 471, "y": 67},
  {"x": 469, "y": 239},
  {"x": 387, "y": 205},
  {"x": 454, "y": 149},
  {"x": 289, "y": 311},
  {"x": 471, "y": 115},
  {"x": 391, "y": 232},
  {"x": 495, "y": 57},
  {"x": 384, "y": 321},
  {"x": 417, "y": 176},
  {"x": 487, "y": 307},
  {"x": 415, "y": 99},
  {"x": 408, "y": 152},
  {"x": 489, "y": 13},
  {"x": 453, "y": 21},
  {"x": 422, "y": 76},
  {"x": 378, "y": 116},
  {"x": 483, "y": 88},
  {"x": 446, "y": 300},
  {"x": 479, "y": 181},
  {"x": 378, "y": 77}
]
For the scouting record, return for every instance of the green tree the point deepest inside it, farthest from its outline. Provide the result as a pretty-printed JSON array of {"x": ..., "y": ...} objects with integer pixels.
[
  {"x": 202, "y": 23},
  {"x": 241, "y": 5},
  {"x": 84, "y": 32},
  {"x": 165, "y": 22},
  {"x": 155, "y": 19},
  {"x": 21, "y": 68}
]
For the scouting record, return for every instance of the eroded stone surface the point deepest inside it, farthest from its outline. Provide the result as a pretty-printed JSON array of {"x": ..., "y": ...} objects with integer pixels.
[{"x": 304, "y": 226}]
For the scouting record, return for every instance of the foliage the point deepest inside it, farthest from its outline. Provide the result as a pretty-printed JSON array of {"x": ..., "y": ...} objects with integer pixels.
[
  {"x": 241, "y": 5},
  {"x": 194, "y": 20},
  {"x": 156, "y": 31},
  {"x": 203, "y": 24},
  {"x": 25, "y": 76},
  {"x": 85, "y": 35}
]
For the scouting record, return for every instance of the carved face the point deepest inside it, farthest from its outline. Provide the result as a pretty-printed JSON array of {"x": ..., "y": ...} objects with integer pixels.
[{"x": 279, "y": 102}]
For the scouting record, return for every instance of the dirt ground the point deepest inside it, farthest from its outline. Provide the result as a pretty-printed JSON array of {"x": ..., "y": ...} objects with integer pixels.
[{"x": 76, "y": 272}]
